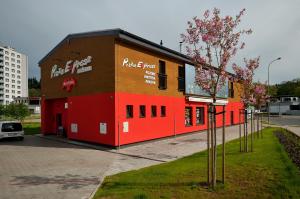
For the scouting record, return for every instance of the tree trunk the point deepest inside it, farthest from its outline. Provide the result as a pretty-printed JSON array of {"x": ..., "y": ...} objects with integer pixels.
[
  {"x": 251, "y": 130},
  {"x": 223, "y": 147},
  {"x": 240, "y": 130},
  {"x": 208, "y": 143}
]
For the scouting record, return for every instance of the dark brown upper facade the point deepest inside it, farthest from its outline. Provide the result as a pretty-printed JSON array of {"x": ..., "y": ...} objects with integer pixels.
[{"x": 109, "y": 61}]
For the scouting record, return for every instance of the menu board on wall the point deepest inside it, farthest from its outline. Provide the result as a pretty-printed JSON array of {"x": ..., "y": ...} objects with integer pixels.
[{"x": 192, "y": 88}]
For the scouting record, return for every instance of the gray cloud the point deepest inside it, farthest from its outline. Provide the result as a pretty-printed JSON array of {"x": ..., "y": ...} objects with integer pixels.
[{"x": 36, "y": 26}]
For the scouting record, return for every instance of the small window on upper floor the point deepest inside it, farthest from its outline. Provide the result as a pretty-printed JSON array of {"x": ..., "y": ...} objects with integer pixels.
[
  {"x": 162, "y": 76},
  {"x": 181, "y": 78}
]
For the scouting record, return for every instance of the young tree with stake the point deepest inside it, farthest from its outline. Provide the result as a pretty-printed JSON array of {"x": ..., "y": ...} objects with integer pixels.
[
  {"x": 212, "y": 42},
  {"x": 247, "y": 93}
]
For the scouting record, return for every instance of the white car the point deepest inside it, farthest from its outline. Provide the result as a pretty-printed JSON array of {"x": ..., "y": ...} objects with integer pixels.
[{"x": 10, "y": 129}]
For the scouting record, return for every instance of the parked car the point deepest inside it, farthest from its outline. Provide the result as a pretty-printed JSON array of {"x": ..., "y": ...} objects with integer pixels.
[{"x": 10, "y": 129}]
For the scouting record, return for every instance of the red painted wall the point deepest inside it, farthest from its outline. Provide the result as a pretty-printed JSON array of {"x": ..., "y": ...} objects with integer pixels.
[
  {"x": 88, "y": 111},
  {"x": 141, "y": 129}
]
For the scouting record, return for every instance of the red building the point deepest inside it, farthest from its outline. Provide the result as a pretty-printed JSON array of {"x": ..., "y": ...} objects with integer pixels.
[{"x": 114, "y": 88}]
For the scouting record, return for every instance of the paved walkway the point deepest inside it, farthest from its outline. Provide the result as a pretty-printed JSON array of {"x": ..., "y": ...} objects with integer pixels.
[{"x": 51, "y": 168}]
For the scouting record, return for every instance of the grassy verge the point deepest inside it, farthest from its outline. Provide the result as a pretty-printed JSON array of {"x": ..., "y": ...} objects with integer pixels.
[
  {"x": 265, "y": 173},
  {"x": 32, "y": 128}
]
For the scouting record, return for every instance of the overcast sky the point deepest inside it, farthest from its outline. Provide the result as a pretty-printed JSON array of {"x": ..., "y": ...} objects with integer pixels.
[{"x": 34, "y": 27}]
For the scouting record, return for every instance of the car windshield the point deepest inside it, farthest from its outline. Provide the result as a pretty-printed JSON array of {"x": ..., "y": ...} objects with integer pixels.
[{"x": 10, "y": 127}]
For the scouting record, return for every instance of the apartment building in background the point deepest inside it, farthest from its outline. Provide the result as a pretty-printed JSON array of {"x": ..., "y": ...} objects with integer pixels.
[{"x": 13, "y": 74}]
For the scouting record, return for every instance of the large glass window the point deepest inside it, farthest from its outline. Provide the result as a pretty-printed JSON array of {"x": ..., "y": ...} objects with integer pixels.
[
  {"x": 199, "y": 115},
  {"x": 188, "y": 116}
]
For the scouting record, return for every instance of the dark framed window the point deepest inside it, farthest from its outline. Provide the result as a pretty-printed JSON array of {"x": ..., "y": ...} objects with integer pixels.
[
  {"x": 199, "y": 115},
  {"x": 142, "y": 111},
  {"x": 153, "y": 111},
  {"x": 181, "y": 78},
  {"x": 129, "y": 111},
  {"x": 188, "y": 116},
  {"x": 230, "y": 89},
  {"x": 162, "y": 76},
  {"x": 163, "y": 111}
]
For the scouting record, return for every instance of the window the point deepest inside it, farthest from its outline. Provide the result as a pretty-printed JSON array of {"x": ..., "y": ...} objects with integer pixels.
[
  {"x": 19, "y": 82},
  {"x": 19, "y": 77},
  {"x": 12, "y": 54},
  {"x": 188, "y": 116},
  {"x": 153, "y": 111},
  {"x": 6, "y": 85},
  {"x": 181, "y": 78},
  {"x": 7, "y": 96},
  {"x": 13, "y": 65},
  {"x": 19, "y": 87},
  {"x": 6, "y": 69},
  {"x": 13, "y": 76},
  {"x": 129, "y": 111},
  {"x": 13, "y": 91},
  {"x": 6, "y": 58},
  {"x": 6, "y": 52},
  {"x": 6, "y": 63},
  {"x": 19, "y": 92},
  {"x": 162, "y": 76},
  {"x": 18, "y": 71},
  {"x": 13, "y": 70},
  {"x": 18, "y": 61},
  {"x": 11, "y": 127},
  {"x": 231, "y": 89},
  {"x": 6, "y": 74},
  {"x": 13, "y": 86},
  {"x": 163, "y": 111},
  {"x": 13, "y": 81},
  {"x": 18, "y": 66},
  {"x": 199, "y": 115},
  {"x": 142, "y": 111},
  {"x": 18, "y": 56},
  {"x": 12, "y": 59}
]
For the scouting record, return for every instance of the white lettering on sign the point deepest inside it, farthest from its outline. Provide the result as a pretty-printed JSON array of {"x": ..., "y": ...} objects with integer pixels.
[
  {"x": 140, "y": 64},
  {"x": 72, "y": 67},
  {"x": 149, "y": 76}
]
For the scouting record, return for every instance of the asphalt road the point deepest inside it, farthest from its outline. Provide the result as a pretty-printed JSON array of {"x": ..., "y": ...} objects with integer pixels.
[{"x": 285, "y": 120}]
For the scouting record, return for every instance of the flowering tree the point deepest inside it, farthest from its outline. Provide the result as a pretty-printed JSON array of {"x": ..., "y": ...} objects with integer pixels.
[
  {"x": 245, "y": 77},
  {"x": 260, "y": 94},
  {"x": 211, "y": 42}
]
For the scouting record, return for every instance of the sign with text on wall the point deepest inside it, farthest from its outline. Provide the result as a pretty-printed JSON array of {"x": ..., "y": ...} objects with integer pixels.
[
  {"x": 149, "y": 74},
  {"x": 72, "y": 67}
]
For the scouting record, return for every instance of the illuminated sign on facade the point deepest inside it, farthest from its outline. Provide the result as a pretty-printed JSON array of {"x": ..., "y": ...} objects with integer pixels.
[{"x": 77, "y": 66}]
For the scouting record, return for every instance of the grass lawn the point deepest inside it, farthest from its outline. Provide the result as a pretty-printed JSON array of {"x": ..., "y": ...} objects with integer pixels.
[
  {"x": 31, "y": 128},
  {"x": 265, "y": 173}
]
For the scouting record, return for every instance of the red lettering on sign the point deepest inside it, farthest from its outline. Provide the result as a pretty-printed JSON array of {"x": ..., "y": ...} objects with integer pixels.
[{"x": 68, "y": 84}]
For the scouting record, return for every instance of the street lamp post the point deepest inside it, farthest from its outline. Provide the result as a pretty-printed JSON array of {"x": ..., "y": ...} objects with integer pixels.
[{"x": 279, "y": 58}]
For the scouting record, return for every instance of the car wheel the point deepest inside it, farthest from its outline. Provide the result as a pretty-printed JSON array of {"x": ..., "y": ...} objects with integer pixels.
[{"x": 21, "y": 138}]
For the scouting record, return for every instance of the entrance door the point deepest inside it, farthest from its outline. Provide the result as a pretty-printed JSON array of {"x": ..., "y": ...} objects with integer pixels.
[
  {"x": 59, "y": 126},
  {"x": 232, "y": 117}
]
